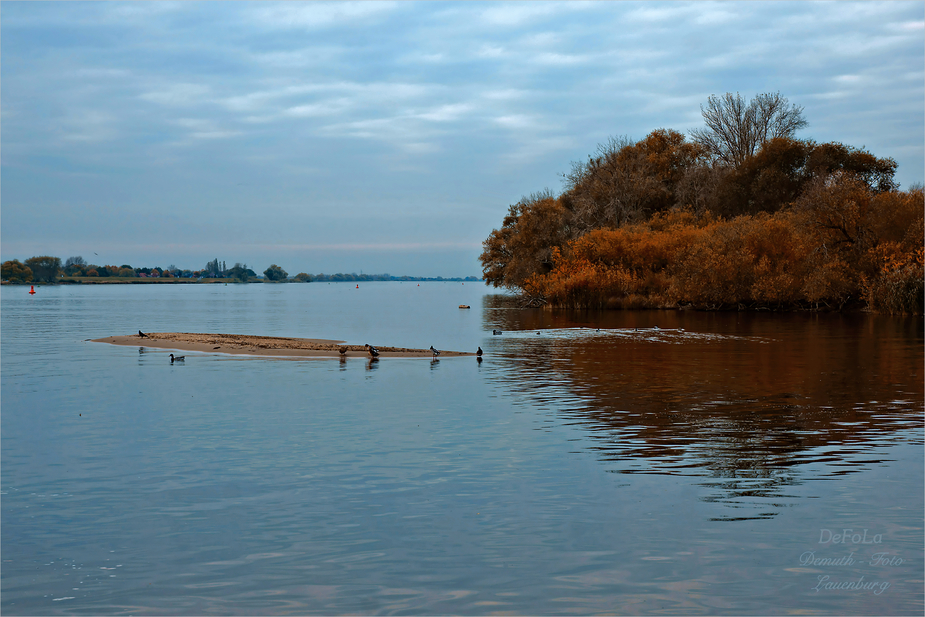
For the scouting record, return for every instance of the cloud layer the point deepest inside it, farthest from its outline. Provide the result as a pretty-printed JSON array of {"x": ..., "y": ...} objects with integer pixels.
[{"x": 389, "y": 125}]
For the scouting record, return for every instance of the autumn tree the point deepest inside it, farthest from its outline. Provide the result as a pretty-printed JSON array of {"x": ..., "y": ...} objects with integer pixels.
[
  {"x": 894, "y": 277},
  {"x": 629, "y": 181},
  {"x": 44, "y": 268},
  {"x": 524, "y": 244},
  {"x": 15, "y": 272},
  {"x": 736, "y": 130},
  {"x": 303, "y": 277},
  {"x": 275, "y": 273},
  {"x": 839, "y": 210},
  {"x": 778, "y": 174},
  {"x": 875, "y": 173}
]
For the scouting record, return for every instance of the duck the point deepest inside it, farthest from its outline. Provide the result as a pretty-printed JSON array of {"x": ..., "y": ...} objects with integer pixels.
[
  {"x": 343, "y": 351},
  {"x": 176, "y": 358},
  {"x": 496, "y": 332},
  {"x": 435, "y": 351},
  {"x": 142, "y": 334},
  {"x": 373, "y": 352},
  {"x": 479, "y": 352}
]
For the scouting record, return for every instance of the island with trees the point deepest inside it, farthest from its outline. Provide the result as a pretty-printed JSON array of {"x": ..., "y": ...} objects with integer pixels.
[{"x": 740, "y": 216}]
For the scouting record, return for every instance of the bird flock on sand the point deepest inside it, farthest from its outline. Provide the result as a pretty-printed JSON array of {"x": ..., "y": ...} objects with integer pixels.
[{"x": 374, "y": 353}]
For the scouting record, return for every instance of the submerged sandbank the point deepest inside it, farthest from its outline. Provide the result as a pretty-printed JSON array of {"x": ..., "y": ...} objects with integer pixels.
[{"x": 263, "y": 345}]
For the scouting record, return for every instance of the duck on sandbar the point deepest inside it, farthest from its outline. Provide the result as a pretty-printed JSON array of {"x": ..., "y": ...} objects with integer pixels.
[
  {"x": 436, "y": 352},
  {"x": 479, "y": 352},
  {"x": 142, "y": 334},
  {"x": 373, "y": 352}
]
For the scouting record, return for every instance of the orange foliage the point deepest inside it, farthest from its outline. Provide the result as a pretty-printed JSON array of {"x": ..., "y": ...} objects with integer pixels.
[{"x": 847, "y": 244}]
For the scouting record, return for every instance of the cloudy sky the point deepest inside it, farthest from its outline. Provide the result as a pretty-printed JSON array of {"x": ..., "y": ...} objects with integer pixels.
[{"x": 391, "y": 137}]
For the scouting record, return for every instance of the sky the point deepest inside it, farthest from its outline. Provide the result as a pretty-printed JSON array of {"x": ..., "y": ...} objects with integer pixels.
[{"x": 384, "y": 137}]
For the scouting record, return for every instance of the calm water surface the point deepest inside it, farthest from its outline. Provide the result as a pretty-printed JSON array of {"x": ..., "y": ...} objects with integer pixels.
[{"x": 592, "y": 463}]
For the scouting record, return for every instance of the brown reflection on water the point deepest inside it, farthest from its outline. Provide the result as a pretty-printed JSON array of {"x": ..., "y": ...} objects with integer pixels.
[{"x": 740, "y": 397}]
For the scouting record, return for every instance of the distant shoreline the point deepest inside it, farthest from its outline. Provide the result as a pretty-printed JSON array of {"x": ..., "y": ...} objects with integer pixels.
[
  {"x": 113, "y": 280},
  {"x": 267, "y": 346}
]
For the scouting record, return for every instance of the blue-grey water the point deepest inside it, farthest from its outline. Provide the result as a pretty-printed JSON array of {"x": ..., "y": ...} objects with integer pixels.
[{"x": 723, "y": 463}]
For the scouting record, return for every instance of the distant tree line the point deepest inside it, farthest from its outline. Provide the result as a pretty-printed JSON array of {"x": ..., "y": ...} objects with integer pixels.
[
  {"x": 50, "y": 269},
  {"x": 741, "y": 215},
  {"x": 358, "y": 278}
]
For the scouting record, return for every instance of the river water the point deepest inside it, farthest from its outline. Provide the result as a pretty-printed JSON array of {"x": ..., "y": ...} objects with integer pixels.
[{"x": 638, "y": 462}]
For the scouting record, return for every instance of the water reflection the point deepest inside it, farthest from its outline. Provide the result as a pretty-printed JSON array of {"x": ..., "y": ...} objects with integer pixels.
[{"x": 741, "y": 399}]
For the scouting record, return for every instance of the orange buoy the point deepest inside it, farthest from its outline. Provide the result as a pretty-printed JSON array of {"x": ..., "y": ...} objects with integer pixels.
[
  {"x": 358, "y": 286},
  {"x": 32, "y": 289}
]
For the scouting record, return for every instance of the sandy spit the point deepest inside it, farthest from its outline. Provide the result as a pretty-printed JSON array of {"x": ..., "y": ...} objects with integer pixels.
[{"x": 244, "y": 344}]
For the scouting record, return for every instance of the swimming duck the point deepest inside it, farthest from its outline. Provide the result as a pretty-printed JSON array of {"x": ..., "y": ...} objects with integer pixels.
[
  {"x": 176, "y": 358},
  {"x": 496, "y": 331}
]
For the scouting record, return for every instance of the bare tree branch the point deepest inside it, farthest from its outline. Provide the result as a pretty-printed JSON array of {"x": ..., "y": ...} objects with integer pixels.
[{"x": 735, "y": 131}]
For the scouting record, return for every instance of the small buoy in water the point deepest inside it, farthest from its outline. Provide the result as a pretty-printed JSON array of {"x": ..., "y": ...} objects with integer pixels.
[
  {"x": 32, "y": 290},
  {"x": 358, "y": 286}
]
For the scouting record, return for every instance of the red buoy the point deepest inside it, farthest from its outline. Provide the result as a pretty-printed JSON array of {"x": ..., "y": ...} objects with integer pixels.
[{"x": 32, "y": 289}]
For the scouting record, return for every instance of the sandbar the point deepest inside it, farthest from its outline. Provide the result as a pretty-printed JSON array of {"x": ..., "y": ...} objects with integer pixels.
[{"x": 244, "y": 344}]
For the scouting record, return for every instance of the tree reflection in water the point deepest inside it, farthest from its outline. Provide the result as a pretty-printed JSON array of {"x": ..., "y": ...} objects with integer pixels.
[{"x": 745, "y": 400}]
